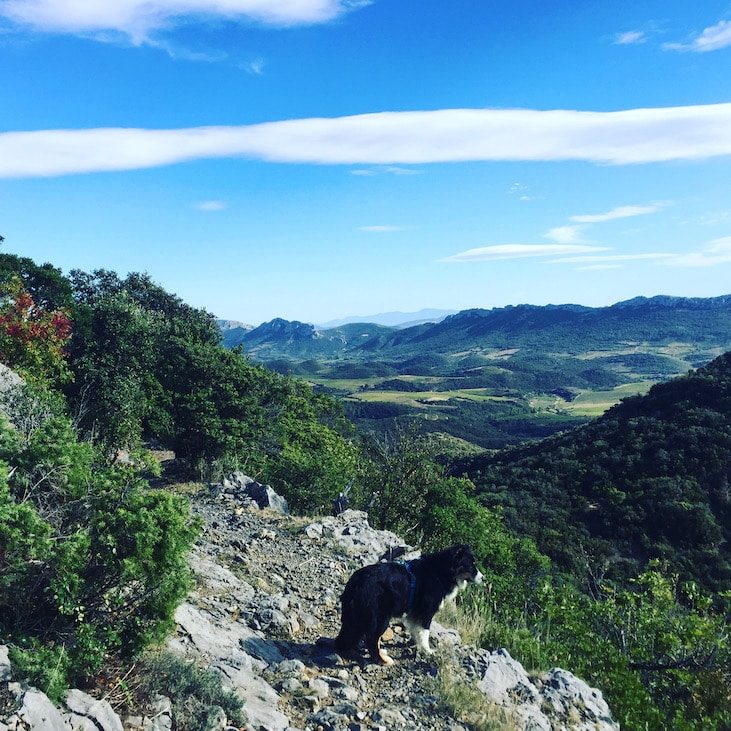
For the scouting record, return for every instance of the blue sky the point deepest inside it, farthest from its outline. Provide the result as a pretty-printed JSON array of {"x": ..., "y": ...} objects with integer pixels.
[{"x": 240, "y": 151}]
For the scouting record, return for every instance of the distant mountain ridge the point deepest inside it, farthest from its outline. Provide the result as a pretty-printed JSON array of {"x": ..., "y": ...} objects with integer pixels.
[
  {"x": 393, "y": 319},
  {"x": 566, "y": 327}
]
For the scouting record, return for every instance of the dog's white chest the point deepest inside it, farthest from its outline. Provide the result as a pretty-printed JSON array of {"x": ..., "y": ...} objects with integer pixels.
[{"x": 452, "y": 594}]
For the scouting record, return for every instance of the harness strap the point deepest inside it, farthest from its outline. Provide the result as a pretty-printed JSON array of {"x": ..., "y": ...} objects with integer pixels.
[{"x": 412, "y": 585}]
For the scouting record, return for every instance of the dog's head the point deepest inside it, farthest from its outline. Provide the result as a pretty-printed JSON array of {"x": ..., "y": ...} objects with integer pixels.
[{"x": 464, "y": 564}]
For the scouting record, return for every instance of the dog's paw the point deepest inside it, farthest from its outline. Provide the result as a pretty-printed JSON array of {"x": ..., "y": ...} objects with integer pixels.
[{"x": 385, "y": 659}]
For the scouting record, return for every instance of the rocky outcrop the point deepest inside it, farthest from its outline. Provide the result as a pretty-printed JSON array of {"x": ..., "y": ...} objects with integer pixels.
[
  {"x": 557, "y": 699},
  {"x": 262, "y": 613},
  {"x": 267, "y": 602},
  {"x": 351, "y": 534},
  {"x": 10, "y": 384},
  {"x": 33, "y": 711},
  {"x": 244, "y": 489}
]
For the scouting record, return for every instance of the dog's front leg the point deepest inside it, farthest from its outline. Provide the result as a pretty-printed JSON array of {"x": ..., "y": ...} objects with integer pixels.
[{"x": 419, "y": 635}]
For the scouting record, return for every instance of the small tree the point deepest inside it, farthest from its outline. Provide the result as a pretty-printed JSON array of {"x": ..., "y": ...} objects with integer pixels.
[{"x": 32, "y": 338}]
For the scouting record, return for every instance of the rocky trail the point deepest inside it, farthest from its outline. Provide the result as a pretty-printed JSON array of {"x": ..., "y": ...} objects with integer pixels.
[{"x": 266, "y": 603}]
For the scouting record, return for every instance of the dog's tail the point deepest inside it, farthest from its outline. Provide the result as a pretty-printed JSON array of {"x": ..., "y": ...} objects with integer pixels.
[{"x": 350, "y": 631}]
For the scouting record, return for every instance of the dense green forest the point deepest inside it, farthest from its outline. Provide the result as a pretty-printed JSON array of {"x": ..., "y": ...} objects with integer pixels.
[
  {"x": 647, "y": 480},
  {"x": 93, "y": 555}
]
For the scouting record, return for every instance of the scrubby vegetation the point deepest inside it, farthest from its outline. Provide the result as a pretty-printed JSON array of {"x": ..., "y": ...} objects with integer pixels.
[
  {"x": 605, "y": 548},
  {"x": 196, "y": 693},
  {"x": 92, "y": 560}
]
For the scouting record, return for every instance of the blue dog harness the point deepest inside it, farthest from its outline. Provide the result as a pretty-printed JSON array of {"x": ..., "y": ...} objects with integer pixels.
[{"x": 412, "y": 585}]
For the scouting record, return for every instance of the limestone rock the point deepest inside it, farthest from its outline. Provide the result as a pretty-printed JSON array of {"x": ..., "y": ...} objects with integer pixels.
[
  {"x": 242, "y": 486},
  {"x": 5, "y": 670},
  {"x": 99, "y": 712},
  {"x": 558, "y": 700},
  {"x": 351, "y": 532},
  {"x": 39, "y": 714},
  {"x": 563, "y": 691},
  {"x": 504, "y": 680}
]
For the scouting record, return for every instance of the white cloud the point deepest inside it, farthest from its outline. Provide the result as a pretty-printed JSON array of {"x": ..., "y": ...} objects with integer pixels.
[
  {"x": 521, "y": 192},
  {"x": 210, "y": 206},
  {"x": 612, "y": 257},
  {"x": 630, "y": 38},
  {"x": 395, "y": 170},
  {"x": 621, "y": 212},
  {"x": 598, "y": 267},
  {"x": 388, "y": 170},
  {"x": 564, "y": 234},
  {"x": 138, "y": 18},
  {"x": 381, "y": 229},
  {"x": 717, "y": 252},
  {"x": 387, "y": 138},
  {"x": 712, "y": 38},
  {"x": 519, "y": 251},
  {"x": 255, "y": 67}
]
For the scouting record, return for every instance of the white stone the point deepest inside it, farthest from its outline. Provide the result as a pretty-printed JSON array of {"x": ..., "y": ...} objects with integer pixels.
[
  {"x": 99, "y": 711},
  {"x": 5, "y": 670},
  {"x": 505, "y": 678},
  {"x": 39, "y": 714},
  {"x": 562, "y": 690}
]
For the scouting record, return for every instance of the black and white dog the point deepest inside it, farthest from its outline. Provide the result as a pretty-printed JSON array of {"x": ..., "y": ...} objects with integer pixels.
[{"x": 414, "y": 591}]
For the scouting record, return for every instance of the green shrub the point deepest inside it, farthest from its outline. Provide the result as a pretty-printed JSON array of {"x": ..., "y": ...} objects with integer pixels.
[
  {"x": 195, "y": 693},
  {"x": 660, "y": 662},
  {"x": 92, "y": 562}
]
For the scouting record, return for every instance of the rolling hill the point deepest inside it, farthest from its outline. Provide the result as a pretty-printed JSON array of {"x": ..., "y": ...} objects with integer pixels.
[{"x": 647, "y": 480}]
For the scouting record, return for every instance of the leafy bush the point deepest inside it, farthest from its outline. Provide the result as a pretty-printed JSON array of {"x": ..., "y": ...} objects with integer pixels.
[
  {"x": 660, "y": 657},
  {"x": 196, "y": 694},
  {"x": 92, "y": 562},
  {"x": 32, "y": 338}
]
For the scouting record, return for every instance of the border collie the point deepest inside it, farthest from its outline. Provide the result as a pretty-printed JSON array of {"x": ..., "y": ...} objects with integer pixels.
[{"x": 414, "y": 591}]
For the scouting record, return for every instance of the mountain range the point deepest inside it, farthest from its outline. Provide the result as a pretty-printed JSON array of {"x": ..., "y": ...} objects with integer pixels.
[
  {"x": 704, "y": 323},
  {"x": 393, "y": 319}
]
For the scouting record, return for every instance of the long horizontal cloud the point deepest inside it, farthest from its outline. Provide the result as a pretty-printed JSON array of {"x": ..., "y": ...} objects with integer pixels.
[
  {"x": 620, "y": 212},
  {"x": 612, "y": 257},
  {"x": 138, "y": 17},
  {"x": 387, "y": 138},
  {"x": 520, "y": 251},
  {"x": 716, "y": 252}
]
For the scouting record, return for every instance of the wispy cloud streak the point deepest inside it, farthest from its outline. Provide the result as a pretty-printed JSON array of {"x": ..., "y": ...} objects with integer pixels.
[
  {"x": 716, "y": 252},
  {"x": 381, "y": 229},
  {"x": 612, "y": 257},
  {"x": 712, "y": 38},
  {"x": 387, "y": 138},
  {"x": 630, "y": 38},
  {"x": 210, "y": 206},
  {"x": 564, "y": 234},
  {"x": 621, "y": 212},
  {"x": 519, "y": 251}
]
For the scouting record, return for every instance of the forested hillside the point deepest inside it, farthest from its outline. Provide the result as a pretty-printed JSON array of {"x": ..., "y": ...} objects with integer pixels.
[{"x": 649, "y": 479}]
